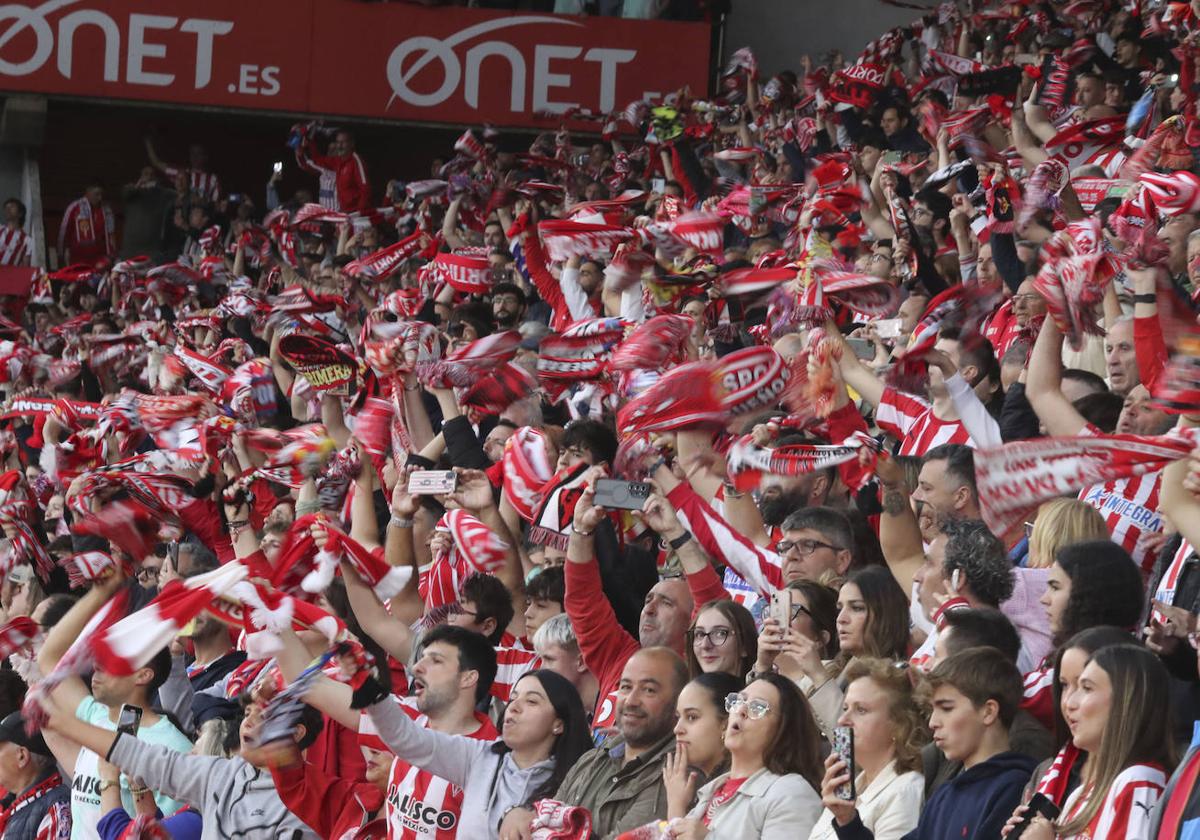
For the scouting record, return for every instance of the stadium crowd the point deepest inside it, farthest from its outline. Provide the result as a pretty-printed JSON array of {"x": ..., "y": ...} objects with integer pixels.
[{"x": 818, "y": 459}]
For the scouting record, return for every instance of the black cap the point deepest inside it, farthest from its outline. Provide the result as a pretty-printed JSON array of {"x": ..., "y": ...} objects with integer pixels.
[{"x": 12, "y": 731}]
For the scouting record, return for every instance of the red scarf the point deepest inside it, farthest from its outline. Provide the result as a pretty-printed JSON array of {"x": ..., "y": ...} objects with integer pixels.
[{"x": 30, "y": 796}]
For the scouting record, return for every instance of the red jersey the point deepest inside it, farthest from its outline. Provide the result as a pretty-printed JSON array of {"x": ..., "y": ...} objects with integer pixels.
[
  {"x": 1127, "y": 808},
  {"x": 603, "y": 642},
  {"x": 343, "y": 185},
  {"x": 420, "y": 805},
  {"x": 911, "y": 421},
  {"x": 512, "y": 663},
  {"x": 14, "y": 246},
  {"x": 87, "y": 232}
]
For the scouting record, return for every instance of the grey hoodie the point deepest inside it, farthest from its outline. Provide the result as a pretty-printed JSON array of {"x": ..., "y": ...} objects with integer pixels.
[
  {"x": 236, "y": 800},
  {"x": 492, "y": 783}
]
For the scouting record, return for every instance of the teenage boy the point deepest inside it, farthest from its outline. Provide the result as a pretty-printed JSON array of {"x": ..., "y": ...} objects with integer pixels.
[{"x": 974, "y": 696}]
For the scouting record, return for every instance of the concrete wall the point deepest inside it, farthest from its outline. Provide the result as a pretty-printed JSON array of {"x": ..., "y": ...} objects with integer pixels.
[{"x": 780, "y": 31}]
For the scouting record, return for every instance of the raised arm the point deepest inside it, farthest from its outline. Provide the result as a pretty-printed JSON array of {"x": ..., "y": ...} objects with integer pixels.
[{"x": 1043, "y": 385}]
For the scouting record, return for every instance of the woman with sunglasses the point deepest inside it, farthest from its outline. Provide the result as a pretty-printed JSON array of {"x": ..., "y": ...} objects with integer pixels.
[
  {"x": 770, "y": 791},
  {"x": 722, "y": 639}
]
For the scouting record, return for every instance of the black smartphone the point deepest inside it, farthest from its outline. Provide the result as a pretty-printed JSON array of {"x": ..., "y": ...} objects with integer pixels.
[
  {"x": 1039, "y": 803},
  {"x": 843, "y": 745},
  {"x": 623, "y": 495},
  {"x": 130, "y": 720}
]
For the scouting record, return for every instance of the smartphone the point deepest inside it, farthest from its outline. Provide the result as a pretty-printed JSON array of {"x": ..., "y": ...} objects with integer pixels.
[
  {"x": 888, "y": 328},
  {"x": 955, "y": 577},
  {"x": 1039, "y": 803},
  {"x": 892, "y": 158},
  {"x": 622, "y": 495},
  {"x": 130, "y": 720},
  {"x": 781, "y": 607},
  {"x": 843, "y": 746},
  {"x": 277, "y": 167},
  {"x": 432, "y": 482},
  {"x": 658, "y": 185},
  {"x": 862, "y": 348}
]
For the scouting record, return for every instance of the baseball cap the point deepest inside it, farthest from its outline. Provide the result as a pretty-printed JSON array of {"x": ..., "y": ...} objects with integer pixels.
[{"x": 12, "y": 730}]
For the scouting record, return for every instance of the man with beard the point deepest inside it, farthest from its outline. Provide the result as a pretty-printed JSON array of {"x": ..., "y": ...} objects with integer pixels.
[
  {"x": 508, "y": 306},
  {"x": 453, "y": 674},
  {"x": 945, "y": 488},
  {"x": 621, "y": 782}
]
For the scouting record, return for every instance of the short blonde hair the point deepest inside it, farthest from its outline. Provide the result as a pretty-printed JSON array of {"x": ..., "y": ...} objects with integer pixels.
[{"x": 1063, "y": 522}]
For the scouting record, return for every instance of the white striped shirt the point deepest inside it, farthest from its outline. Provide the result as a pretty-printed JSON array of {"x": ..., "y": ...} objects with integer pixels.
[
  {"x": 204, "y": 184},
  {"x": 15, "y": 248},
  {"x": 1130, "y": 509},
  {"x": 911, "y": 421}
]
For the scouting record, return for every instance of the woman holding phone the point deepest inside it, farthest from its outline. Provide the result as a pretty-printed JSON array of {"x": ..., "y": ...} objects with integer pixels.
[{"x": 888, "y": 731}]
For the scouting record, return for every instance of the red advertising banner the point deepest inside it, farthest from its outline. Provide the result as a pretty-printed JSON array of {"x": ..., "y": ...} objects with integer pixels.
[{"x": 348, "y": 58}]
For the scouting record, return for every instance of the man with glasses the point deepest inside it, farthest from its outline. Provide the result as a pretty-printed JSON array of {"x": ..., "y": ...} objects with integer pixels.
[
  {"x": 508, "y": 306},
  {"x": 818, "y": 545}
]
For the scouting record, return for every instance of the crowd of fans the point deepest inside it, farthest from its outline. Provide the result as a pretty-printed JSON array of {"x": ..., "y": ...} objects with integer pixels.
[{"x": 814, "y": 460}]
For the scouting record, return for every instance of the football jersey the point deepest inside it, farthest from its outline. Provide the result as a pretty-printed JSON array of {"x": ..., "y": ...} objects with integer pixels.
[{"x": 911, "y": 421}]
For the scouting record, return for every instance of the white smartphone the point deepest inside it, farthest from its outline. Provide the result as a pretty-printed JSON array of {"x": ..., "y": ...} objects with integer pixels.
[
  {"x": 888, "y": 328},
  {"x": 277, "y": 166}
]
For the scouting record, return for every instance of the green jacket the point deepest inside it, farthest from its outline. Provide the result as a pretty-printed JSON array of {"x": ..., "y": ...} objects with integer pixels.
[{"x": 619, "y": 796}]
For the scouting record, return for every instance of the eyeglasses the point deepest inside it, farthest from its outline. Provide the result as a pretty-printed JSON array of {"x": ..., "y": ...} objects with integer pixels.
[
  {"x": 798, "y": 609},
  {"x": 146, "y": 573},
  {"x": 803, "y": 547},
  {"x": 717, "y": 636},
  {"x": 1028, "y": 530},
  {"x": 755, "y": 709},
  {"x": 458, "y": 609}
]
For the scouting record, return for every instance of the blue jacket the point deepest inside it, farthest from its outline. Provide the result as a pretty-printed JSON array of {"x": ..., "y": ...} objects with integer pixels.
[{"x": 974, "y": 805}]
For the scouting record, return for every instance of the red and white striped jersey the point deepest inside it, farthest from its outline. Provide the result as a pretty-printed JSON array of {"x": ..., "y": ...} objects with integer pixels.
[
  {"x": 512, "y": 663},
  {"x": 1130, "y": 509},
  {"x": 420, "y": 805},
  {"x": 15, "y": 248},
  {"x": 201, "y": 183},
  {"x": 1127, "y": 805},
  {"x": 56, "y": 825},
  {"x": 1169, "y": 584},
  {"x": 1037, "y": 694},
  {"x": 911, "y": 421}
]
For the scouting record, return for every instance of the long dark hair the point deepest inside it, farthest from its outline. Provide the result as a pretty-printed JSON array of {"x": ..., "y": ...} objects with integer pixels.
[
  {"x": 885, "y": 635},
  {"x": 575, "y": 738},
  {"x": 796, "y": 747},
  {"x": 1106, "y": 587}
]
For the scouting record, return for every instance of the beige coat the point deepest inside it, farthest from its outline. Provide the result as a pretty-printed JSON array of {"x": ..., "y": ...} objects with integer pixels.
[
  {"x": 765, "y": 807},
  {"x": 889, "y": 807}
]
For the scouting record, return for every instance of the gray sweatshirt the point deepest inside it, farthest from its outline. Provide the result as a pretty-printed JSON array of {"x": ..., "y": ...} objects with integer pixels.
[
  {"x": 491, "y": 781},
  {"x": 236, "y": 800}
]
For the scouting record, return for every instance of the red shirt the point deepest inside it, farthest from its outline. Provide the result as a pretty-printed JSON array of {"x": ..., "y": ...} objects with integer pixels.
[{"x": 604, "y": 643}]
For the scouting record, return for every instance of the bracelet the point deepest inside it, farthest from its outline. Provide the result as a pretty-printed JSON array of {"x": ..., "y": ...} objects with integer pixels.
[
  {"x": 680, "y": 541},
  {"x": 105, "y": 784},
  {"x": 139, "y": 791},
  {"x": 235, "y": 524},
  {"x": 575, "y": 530},
  {"x": 1145, "y": 297},
  {"x": 731, "y": 492},
  {"x": 400, "y": 522}
]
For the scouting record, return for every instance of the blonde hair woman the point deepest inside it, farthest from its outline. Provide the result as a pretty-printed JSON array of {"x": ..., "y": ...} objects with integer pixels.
[
  {"x": 889, "y": 731},
  {"x": 1059, "y": 523}
]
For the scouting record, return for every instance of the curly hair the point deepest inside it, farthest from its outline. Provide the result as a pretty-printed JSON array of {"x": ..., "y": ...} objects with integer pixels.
[
  {"x": 1106, "y": 587},
  {"x": 980, "y": 555},
  {"x": 908, "y": 721}
]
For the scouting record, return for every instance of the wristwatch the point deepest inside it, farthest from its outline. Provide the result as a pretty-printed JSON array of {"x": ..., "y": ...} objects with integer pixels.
[{"x": 105, "y": 784}]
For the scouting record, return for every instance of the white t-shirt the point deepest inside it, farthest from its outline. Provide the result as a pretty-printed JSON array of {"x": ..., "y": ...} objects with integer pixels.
[{"x": 85, "y": 781}]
